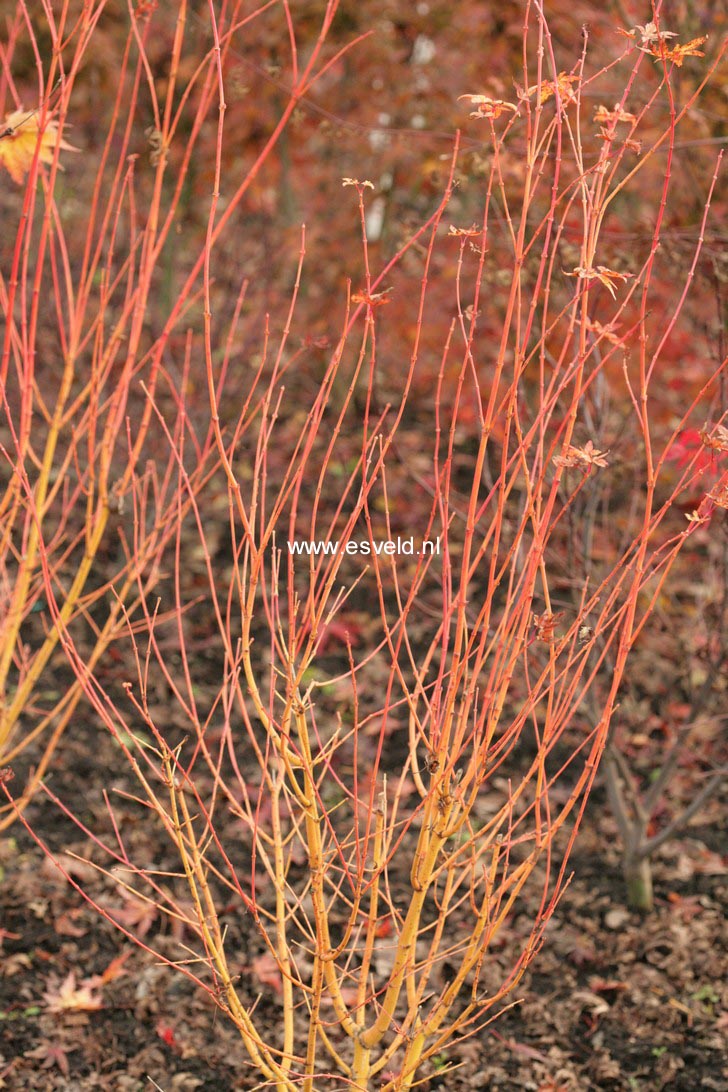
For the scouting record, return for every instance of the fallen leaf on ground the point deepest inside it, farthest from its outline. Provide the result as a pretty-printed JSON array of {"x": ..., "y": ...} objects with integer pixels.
[{"x": 69, "y": 997}]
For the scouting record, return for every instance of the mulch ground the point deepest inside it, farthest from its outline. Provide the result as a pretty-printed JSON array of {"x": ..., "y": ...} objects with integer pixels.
[{"x": 613, "y": 1001}]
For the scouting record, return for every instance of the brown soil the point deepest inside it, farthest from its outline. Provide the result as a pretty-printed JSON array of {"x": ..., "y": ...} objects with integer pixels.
[{"x": 613, "y": 1001}]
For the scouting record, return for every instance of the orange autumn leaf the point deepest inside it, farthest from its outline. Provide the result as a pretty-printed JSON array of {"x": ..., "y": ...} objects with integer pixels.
[
  {"x": 604, "y": 116},
  {"x": 608, "y": 277},
  {"x": 603, "y": 332},
  {"x": 678, "y": 53},
  {"x": 376, "y": 299},
  {"x": 545, "y": 625},
  {"x": 488, "y": 107},
  {"x": 19, "y": 138},
  {"x": 547, "y": 89}
]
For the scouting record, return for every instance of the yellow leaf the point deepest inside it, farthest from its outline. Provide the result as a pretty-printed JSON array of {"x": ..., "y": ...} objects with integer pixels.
[
  {"x": 19, "y": 138},
  {"x": 546, "y": 89},
  {"x": 678, "y": 53}
]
